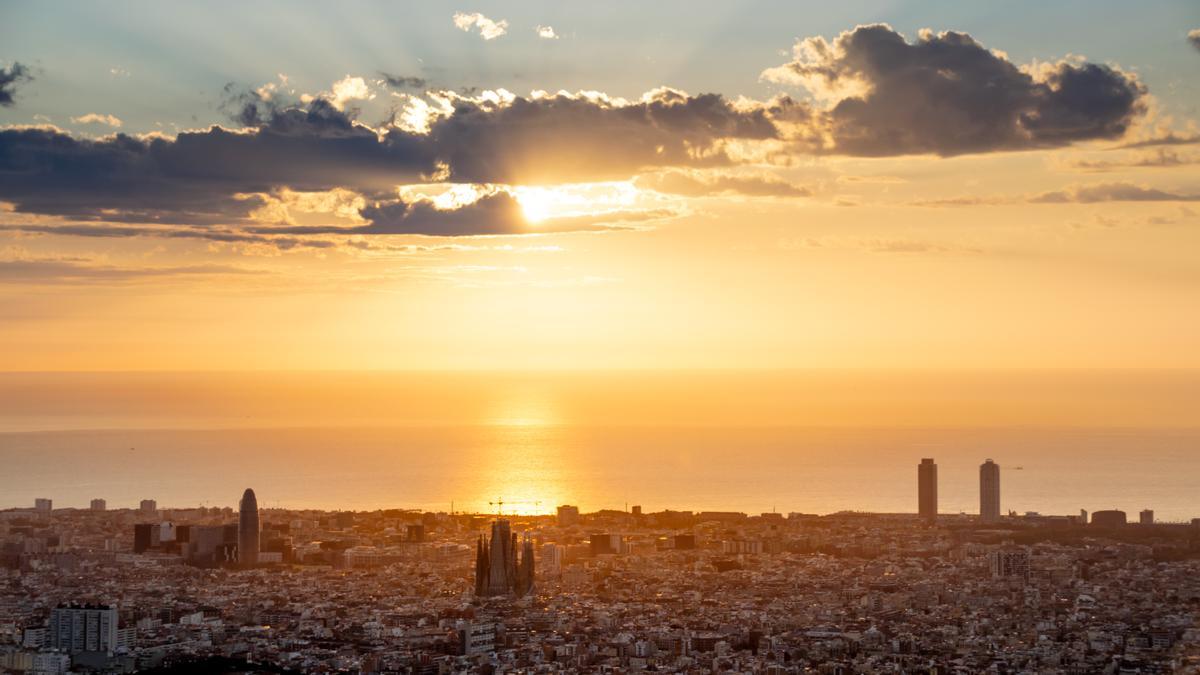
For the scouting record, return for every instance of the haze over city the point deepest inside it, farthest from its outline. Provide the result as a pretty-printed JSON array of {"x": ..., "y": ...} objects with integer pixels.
[{"x": 753, "y": 336}]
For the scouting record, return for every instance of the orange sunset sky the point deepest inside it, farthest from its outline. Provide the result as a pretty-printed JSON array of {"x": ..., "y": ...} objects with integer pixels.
[{"x": 767, "y": 185}]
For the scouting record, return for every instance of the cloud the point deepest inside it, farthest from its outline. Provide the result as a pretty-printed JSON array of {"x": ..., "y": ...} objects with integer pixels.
[
  {"x": 574, "y": 138},
  {"x": 963, "y": 201},
  {"x": 110, "y": 231},
  {"x": 403, "y": 81},
  {"x": 545, "y": 32},
  {"x": 10, "y": 77},
  {"x": 96, "y": 118},
  {"x": 946, "y": 94},
  {"x": 349, "y": 89},
  {"x": 877, "y": 245},
  {"x": 488, "y": 29},
  {"x": 493, "y": 214},
  {"x": 68, "y": 271},
  {"x": 213, "y": 176},
  {"x": 1169, "y": 138},
  {"x": 700, "y": 185},
  {"x": 220, "y": 176},
  {"x": 1193, "y": 37},
  {"x": 1163, "y": 158},
  {"x": 1111, "y": 192}
]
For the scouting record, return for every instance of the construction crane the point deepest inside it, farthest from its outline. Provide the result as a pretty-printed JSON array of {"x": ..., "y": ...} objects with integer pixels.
[{"x": 499, "y": 504}]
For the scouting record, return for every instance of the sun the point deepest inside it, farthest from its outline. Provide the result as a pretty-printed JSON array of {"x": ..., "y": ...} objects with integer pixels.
[{"x": 536, "y": 204}]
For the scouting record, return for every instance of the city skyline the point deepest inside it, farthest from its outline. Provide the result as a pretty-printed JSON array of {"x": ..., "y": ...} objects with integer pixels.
[{"x": 419, "y": 338}]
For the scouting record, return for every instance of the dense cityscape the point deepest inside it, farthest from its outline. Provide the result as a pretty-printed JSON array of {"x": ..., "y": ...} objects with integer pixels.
[{"x": 155, "y": 589}]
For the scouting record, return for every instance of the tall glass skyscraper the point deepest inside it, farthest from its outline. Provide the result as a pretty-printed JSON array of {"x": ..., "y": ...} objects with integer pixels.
[
  {"x": 927, "y": 503},
  {"x": 248, "y": 531},
  {"x": 989, "y": 492}
]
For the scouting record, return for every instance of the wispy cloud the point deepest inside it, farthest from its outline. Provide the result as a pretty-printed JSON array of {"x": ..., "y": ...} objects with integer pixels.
[
  {"x": 74, "y": 271},
  {"x": 1111, "y": 192}
]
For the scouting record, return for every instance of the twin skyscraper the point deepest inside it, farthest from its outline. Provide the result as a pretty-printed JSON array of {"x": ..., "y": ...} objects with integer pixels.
[{"x": 989, "y": 491}]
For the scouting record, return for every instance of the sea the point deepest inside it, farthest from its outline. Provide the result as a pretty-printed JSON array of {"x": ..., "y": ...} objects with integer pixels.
[{"x": 184, "y": 441}]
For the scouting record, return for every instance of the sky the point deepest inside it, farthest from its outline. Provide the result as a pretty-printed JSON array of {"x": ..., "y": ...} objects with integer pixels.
[{"x": 570, "y": 186}]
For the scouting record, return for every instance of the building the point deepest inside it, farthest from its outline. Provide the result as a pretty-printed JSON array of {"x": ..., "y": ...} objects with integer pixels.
[
  {"x": 149, "y": 507},
  {"x": 248, "y": 530},
  {"x": 99, "y": 505},
  {"x": 568, "y": 515},
  {"x": 143, "y": 537},
  {"x": 603, "y": 543},
  {"x": 1009, "y": 564},
  {"x": 210, "y": 545},
  {"x": 44, "y": 505},
  {"x": 1146, "y": 517},
  {"x": 927, "y": 501},
  {"x": 476, "y": 638},
  {"x": 552, "y": 560},
  {"x": 498, "y": 571},
  {"x": 989, "y": 492},
  {"x": 84, "y": 628},
  {"x": 1111, "y": 518}
]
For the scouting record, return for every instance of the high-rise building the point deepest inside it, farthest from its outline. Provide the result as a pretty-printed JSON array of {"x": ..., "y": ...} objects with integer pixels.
[
  {"x": 1146, "y": 517},
  {"x": 43, "y": 504},
  {"x": 927, "y": 500},
  {"x": 498, "y": 570},
  {"x": 248, "y": 530},
  {"x": 568, "y": 515},
  {"x": 99, "y": 505},
  {"x": 143, "y": 534},
  {"x": 989, "y": 492},
  {"x": 84, "y": 628},
  {"x": 149, "y": 507}
]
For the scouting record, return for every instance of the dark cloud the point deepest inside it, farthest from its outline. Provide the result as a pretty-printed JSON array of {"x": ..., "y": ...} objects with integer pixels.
[
  {"x": 66, "y": 271},
  {"x": 679, "y": 183},
  {"x": 498, "y": 213},
  {"x": 215, "y": 176},
  {"x": 197, "y": 177},
  {"x": 946, "y": 94},
  {"x": 1193, "y": 38},
  {"x": 404, "y": 81},
  {"x": 565, "y": 138},
  {"x": 1111, "y": 192},
  {"x": 495, "y": 214},
  {"x": 10, "y": 77}
]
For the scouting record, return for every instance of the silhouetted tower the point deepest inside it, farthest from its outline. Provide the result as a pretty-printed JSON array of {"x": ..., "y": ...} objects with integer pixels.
[
  {"x": 989, "y": 492},
  {"x": 498, "y": 568},
  {"x": 927, "y": 502},
  {"x": 248, "y": 530}
]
